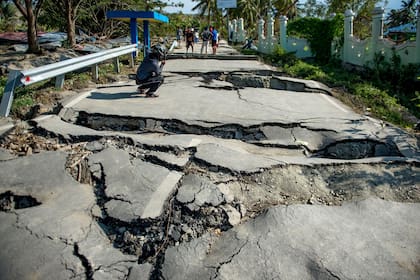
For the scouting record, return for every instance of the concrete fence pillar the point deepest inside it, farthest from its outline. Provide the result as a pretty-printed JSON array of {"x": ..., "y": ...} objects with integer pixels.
[
  {"x": 377, "y": 29},
  {"x": 261, "y": 37},
  {"x": 378, "y": 23},
  {"x": 348, "y": 34},
  {"x": 234, "y": 31},
  {"x": 418, "y": 36},
  {"x": 283, "y": 32},
  {"x": 270, "y": 32},
  {"x": 270, "y": 26},
  {"x": 241, "y": 31}
]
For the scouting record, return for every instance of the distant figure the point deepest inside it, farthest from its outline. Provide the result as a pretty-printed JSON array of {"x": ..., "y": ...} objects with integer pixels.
[
  {"x": 149, "y": 74},
  {"x": 215, "y": 39},
  {"x": 196, "y": 36},
  {"x": 189, "y": 39},
  {"x": 205, "y": 37},
  {"x": 249, "y": 44},
  {"x": 179, "y": 33}
]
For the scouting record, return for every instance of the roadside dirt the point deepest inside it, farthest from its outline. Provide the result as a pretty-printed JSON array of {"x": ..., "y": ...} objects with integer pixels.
[{"x": 46, "y": 99}]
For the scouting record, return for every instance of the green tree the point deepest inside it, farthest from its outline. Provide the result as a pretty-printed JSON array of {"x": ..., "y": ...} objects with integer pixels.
[
  {"x": 406, "y": 14},
  {"x": 248, "y": 10},
  {"x": 319, "y": 33},
  {"x": 30, "y": 11},
  {"x": 313, "y": 8},
  {"x": 69, "y": 9},
  {"x": 363, "y": 10},
  {"x": 7, "y": 16},
  {"x": 285, "y": 8},
  {"x": 209, "y": 8}
]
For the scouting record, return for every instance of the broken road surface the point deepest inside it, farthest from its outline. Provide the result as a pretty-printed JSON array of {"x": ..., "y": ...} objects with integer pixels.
[{"x": 234, "y": 172}]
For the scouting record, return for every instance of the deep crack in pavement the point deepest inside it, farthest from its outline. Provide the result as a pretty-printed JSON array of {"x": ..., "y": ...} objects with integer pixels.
[{"x": 177, "y": 196}]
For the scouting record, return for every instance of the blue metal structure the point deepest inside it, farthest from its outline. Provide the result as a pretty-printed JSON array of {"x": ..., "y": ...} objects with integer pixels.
[{"x": 135, "y": 17}]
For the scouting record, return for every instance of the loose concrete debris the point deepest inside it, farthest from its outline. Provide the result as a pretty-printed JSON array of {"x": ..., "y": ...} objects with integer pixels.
[
  {"x": 163, "y": 198},
  {"x": 301, "y": 242}
]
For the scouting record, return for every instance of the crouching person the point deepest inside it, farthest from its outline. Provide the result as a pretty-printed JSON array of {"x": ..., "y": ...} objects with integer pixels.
[{"x": 149, "y": 74}]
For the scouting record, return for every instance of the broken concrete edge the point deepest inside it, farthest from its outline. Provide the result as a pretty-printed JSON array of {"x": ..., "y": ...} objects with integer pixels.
[
  {"x": 93, "y": 134},
  {"x": 211, "y": 56},
  {"x": 309, "y": 85},
  {"x": 4, "y": 129},
  {"x": 71, "y": 116}
]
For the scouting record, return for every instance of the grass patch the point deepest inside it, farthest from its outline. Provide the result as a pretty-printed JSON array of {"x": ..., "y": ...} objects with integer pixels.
[
  {"x": 361, "y": 92},
  {"x": 76, "y": 81}
]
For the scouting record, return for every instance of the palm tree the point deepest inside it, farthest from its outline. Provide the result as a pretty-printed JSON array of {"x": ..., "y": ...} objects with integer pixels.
[
  {"x": 248, "y": 10},
  {"x": 405, "y": 14},
  {"x": 208, "y": 7},
  {"x": 286, "y": 8}
]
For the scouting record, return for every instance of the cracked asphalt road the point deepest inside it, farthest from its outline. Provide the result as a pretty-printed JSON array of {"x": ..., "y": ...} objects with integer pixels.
[{"x": 234, "y": 172}]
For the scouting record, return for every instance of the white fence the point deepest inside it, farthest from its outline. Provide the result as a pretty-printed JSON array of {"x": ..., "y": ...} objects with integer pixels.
[{"x": 354, "y": 51}]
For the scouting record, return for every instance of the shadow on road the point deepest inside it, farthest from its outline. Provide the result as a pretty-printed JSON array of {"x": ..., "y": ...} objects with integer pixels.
[{"x": 120, "y": 95}]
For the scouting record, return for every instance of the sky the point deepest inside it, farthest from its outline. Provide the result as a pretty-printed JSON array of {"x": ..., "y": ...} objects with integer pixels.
[{"x": 189, "y": 4}]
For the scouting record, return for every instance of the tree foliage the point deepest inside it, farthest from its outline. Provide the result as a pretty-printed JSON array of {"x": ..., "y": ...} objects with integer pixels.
[
  {"x": 363, "y": 10},
  {"x": 313, "y": 8},
  {"x": 406, "y": 14},
  {"x": 30, "y": 11},
  {"x": 8, "y": 20},
  {"x": 207, "y": 8},
  {"x": 319, "y": 32}
]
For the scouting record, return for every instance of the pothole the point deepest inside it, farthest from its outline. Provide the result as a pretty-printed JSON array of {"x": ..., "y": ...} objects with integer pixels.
[
  {"x": 357, "y": 149},
  {"x": 10, "y": 201}
]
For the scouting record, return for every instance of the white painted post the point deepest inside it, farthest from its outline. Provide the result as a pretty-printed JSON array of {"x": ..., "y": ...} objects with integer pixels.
[
  {"x": 283, "y": 32},
  {"x": 261, "y": 37},
  {"x": 418, "y": 36},
  {"x": 234, "y": 26},
  {"x": 270, "y": 32},
  {"x": 241, "y": 31},
  {"x": 377, "y": 30},
  {"x": 348, "y": 34}
]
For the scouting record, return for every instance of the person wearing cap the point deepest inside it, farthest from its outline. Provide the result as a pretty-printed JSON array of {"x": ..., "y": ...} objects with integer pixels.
[{"x": 149, "y": 73}]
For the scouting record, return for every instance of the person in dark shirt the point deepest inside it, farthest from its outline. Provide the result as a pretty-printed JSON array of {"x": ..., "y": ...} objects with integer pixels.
[
  {"x": 149, "y": 73},
  {"x": 189, "y": 38},
  {"x": 206, "y": 36}
]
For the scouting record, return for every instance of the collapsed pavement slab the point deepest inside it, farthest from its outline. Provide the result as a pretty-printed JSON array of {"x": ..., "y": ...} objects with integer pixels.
[
  {"x": 371, "y": 239},
  {"x": 47, "y": 227},
  {"x": 134, "y": 189},
  {"x": 24, "y": 255}
]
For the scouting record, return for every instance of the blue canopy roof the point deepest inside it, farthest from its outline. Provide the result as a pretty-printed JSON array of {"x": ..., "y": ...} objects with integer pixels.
[
  {"x": 138, "y": 15},
  {"x": 405, "y": 28}
]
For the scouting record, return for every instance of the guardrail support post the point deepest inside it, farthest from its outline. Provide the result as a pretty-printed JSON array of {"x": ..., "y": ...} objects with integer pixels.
[
  {"x": 117, "y": 65},
  {"x": 7, "y": 99},
  {"x": 95, "y": 72},
  {"x": 59, "y": 81},
  {"x": 131, "y": 61}
]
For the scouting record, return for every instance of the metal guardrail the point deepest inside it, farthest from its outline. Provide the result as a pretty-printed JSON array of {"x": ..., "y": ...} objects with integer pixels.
[{"x": 18, "y": 78}]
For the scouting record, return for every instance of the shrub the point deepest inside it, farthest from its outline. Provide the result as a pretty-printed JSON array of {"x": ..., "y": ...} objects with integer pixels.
[
  {"x": 319, "y": 33},
  {"x": 281, "y": 57}
]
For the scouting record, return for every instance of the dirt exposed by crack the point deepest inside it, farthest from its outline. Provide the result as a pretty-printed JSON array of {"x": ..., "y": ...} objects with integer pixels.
[{"x": 252, "y": 193}]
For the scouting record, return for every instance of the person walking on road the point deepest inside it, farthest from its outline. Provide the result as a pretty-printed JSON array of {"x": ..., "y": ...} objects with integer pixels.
[
  {"x": 205, "y": 37},
  {"x": 149, "y": 74},
  {"x": 215, "y": 39},
  {"x": 179, "y": 33},
  {"x": 189, "y": 39}
]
